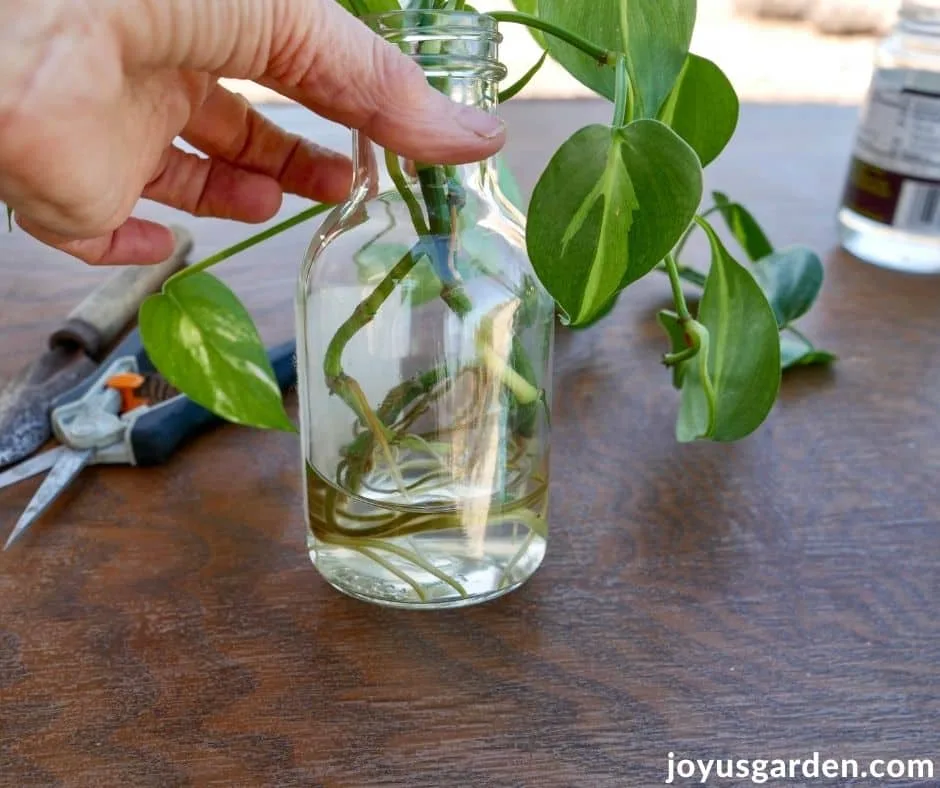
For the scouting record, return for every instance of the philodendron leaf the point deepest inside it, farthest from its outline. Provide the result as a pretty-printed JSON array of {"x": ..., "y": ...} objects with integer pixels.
[
  {"x": 797, "y": 351},
  {"x": 791, "y": 279},
  {"x": 609, "y": 206},
  {"x": 204, "y": 342},
  {"x": 654, "y": 34},
  {"x": 702, "y": 108},
  {"x": 743, "y": 365},
  {"x": 744, "y": 228}
]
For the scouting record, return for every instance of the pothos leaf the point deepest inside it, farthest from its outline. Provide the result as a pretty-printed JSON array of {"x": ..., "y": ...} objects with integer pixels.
[
  {"x": 791, "y": 279},
  {"x": 609, "y": 206},
  {"x": 702, "y": 108},
  {"x": 204, "y": 342},
  {"x": 743, "y": 359},
  {"x": 654, "y": 34},
  {"x": 744, "y": 227},
  {"x": 797, "y": 351}
]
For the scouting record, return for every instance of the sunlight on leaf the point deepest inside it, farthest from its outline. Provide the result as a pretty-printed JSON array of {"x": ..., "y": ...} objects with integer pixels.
[
  {"x": 608, "y": 208},
  {"x": 702, "y": 108},
  {"x": 744, "y": 349},
  {"x": 654, "y": 34},
  {"x": 204, "y": 342}
]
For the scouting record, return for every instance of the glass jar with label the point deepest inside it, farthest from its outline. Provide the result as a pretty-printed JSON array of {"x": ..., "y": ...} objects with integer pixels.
[{"x": 890, "y": 213}]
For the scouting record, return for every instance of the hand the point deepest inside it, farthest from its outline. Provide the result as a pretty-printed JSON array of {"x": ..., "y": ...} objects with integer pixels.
[{"x": 93, "y": 93}]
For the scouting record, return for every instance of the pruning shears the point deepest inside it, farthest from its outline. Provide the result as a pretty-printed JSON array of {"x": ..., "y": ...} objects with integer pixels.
[{"x": 109, "y": 420}]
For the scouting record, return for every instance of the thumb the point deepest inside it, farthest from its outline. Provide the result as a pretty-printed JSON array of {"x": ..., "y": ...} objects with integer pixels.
[{"x": 320, "y": 55}]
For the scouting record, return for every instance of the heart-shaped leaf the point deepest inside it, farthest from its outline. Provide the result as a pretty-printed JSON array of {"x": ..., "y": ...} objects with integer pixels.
[
  {"x": 653, "y": 34},
  {"x": 791, "y": 278},
  {"x": 609, "y": 206},
  {"x": 743, "y": 366},
  {"x": 204, "y": 342},
  {"x": 702, "y": 108},
  {"x": 744, "y": 227},
  {"x": 797, "y": 351}
]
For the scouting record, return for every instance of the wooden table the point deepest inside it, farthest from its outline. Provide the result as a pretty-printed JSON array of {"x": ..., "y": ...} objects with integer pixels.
[{"x": 767, "y": 599}]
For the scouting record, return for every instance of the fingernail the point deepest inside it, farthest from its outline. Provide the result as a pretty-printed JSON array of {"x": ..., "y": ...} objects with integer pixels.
[{"x": 481, "y": 123}]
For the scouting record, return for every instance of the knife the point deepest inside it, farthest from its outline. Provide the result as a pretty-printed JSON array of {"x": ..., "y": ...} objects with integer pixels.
[{"x": 76, "y": 348}]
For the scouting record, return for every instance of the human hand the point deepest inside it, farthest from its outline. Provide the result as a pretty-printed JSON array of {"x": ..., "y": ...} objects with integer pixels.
[{"x": 93, "y": 94}]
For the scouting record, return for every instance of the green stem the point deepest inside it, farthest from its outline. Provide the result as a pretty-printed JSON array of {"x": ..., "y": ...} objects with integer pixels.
[
  {"x": 623, "y": 94},
  {"x": 225, "y": 254},
  {"x": 604, "y": 57},
  {"x": 682, "y": 309},
  {"x": 398, "y": 178},
  {"x": 520, "y": 84},
  {"x": 798, "y": 334}
]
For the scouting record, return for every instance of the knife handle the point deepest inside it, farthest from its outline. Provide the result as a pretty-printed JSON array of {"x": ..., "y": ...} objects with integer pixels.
[{"x": 102, "y": 316}]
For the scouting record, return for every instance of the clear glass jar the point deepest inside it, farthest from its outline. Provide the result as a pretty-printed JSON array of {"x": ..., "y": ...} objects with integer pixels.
[
  {"x": 890, "y": 213},
  {"x": 425, "y": 344}
]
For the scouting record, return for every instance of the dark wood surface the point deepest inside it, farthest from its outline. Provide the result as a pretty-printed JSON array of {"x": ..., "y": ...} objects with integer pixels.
[{"x": 767, "y": 599}]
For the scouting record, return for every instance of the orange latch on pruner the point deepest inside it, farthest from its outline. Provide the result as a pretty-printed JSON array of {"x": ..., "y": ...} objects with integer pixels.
[{"x": 128, "y": 384}]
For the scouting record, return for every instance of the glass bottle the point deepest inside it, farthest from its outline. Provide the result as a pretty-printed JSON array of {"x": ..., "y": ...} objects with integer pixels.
[
  {"x": 425, "y": 344},
  {"x": 890, "y": 213}
]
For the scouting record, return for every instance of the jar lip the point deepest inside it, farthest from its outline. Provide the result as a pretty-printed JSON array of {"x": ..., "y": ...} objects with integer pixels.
[{"x": 449, "y": 18}]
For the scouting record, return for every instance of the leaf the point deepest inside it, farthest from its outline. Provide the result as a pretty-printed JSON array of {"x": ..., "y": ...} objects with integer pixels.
[
  {"x": 654, "y": 34},
  {"x": 703, "y": 108},
  {"x": 697, "y": 405},
  {"x": 797, "y": 351},
  {"x": 609, "y": 206},
  {"x": 791, "y": 279},
  {"x": 744, "y": 228},
  {"x": 204, "y": 342},
  {"x": 743, "y": 354}
]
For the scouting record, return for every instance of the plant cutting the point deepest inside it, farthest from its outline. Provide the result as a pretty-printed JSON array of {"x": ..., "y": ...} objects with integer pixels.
[{"x": 426, "y": 308}]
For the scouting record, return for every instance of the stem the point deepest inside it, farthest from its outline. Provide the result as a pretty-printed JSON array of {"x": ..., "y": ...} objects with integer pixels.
[
  {"x": 623, "y": 95},
  {"x": 225, "y": 254},
  {"x": 604, "y": 57},
  {"x": 682, "y": 309},
  {"x": 520, "y": 84},
  {"x": 398, "y": 178},
  {"x": 798, "y": 334}
]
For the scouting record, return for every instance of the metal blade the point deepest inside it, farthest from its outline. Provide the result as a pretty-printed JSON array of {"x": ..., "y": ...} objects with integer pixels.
[
  {"x": 26, "y": 401},
  {"x": 70, "y": 464},
  {"x": 30, "y": 468}
]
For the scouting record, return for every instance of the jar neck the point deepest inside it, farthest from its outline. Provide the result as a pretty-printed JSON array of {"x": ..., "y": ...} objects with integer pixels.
[
  {"x": 458, "y": 53},
  {"x": 920, "y": 17}
]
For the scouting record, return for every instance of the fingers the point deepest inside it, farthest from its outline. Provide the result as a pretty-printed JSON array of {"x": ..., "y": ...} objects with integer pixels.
[
  {"x": 136, "y": 242},
  {"x": 227, "y": 128},
  {"x": 318, "y": 54},
  {"x": 212, "y": 187}
]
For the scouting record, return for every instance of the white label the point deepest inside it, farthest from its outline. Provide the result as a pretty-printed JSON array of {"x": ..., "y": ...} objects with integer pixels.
[
  {"x": 900, "y": 126},
  {"x": 919, "y": 208}
]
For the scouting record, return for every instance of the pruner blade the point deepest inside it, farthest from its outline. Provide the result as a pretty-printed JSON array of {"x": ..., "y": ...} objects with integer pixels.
[{"x": 68, "y": 466}]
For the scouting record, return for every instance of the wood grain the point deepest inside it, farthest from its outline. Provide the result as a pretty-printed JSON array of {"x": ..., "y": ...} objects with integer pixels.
[{"x": 767, "y": 599}]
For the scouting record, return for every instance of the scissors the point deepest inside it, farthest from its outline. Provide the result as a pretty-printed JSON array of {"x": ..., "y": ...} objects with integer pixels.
[{"x": 105, "y": 421}]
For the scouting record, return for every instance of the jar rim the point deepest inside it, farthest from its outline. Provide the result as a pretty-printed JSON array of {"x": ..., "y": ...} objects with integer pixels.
[{"x": 465, "y": 20}]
